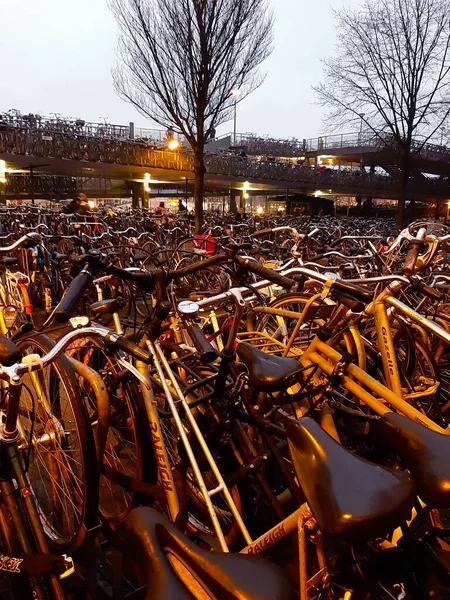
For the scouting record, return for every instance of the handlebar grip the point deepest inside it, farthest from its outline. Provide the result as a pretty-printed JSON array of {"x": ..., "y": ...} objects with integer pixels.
[
  {"x": 428, "y": 291},
  {"x": 68, "y": 304},
  {"x": 208, "y": 353},
  {"x": 354, "y": 305},
  {"x": 409, "y": 265},
  {"x": 272, "y": 276},
  {"x": 134, "y": 350},
  {"x": 262, "y": 232},
  {"x": 313, "y": 232},
  {"x": 353, "y": 290},
  {"x": 315, "y": 258},
  {"x": 144, "y": 279}
]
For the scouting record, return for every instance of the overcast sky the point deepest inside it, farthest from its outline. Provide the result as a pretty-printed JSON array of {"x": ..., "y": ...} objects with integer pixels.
[{"x": 57, "y": 56}]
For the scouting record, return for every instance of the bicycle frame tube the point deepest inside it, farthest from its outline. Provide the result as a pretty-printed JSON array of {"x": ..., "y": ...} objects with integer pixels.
[
  {"x": 387, "y": 348},
  {"x": 278, "y": 532},
  {"x": 298, "y": 522},
  {"x": 165, "y": 474},
  {"x": 327, "y": 358},
  {"x": 427, "y": 324},
  {"x": 299, "y": 323}
]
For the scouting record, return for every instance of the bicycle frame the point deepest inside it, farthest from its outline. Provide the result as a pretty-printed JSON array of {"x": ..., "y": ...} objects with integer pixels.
[
  {"x": 379, "y": 308},
  {"x": 300, "y": 521},
  {"x": 357, "y": 381}
]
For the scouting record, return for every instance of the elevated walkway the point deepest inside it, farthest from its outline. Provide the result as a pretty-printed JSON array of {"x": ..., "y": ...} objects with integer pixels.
[{"x": 80, "y": 151}]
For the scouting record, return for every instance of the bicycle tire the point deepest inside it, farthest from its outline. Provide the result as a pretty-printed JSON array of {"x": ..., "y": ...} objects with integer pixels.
[
  {"x": 80, "y": 455},
  {"x": 128, "y": 449}
]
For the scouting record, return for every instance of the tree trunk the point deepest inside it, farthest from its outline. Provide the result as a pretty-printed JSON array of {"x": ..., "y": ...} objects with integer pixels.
[
  {"x": 199, "y": 188},
  {"x": 403, "y": 193}
]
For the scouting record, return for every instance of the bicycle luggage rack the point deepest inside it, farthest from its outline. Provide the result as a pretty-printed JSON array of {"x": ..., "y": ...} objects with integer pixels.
[
  {"x": 199, "y": 390},
  {"x": 263, "y": 341}
]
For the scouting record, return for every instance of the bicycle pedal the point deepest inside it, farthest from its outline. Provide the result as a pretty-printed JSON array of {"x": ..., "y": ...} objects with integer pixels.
[{"x": 69, "y": 566}]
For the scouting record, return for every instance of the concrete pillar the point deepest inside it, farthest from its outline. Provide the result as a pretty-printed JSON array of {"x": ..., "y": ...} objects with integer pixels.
[
  {"x": 146, "y": 196},
  {"x": 233, "y": 207},
  {"x": 2, "y": 182}
]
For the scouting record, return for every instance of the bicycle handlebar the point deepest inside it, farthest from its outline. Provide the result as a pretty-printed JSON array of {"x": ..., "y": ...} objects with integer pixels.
[
  {"x": 23, "y": 241},
  {"x": 90, "y": 331},
  {"x": 268, "y": 274}
]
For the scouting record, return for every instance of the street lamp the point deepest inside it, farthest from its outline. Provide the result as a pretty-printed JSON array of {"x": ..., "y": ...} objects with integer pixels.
[
  {"x": 235, "y": 92},
  {"x": 173, "y": 144}
]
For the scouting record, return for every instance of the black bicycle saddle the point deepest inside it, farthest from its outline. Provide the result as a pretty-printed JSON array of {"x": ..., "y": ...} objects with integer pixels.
[
  {"x": 424, "y": 452},
  {"x": 349, "y": 496},
  {"x": 9, "y": 352},
  {"x": 268, "y": 373},
  {"x": 169, "y": 566}
]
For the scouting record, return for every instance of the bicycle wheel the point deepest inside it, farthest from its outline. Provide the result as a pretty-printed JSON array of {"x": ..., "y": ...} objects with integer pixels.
[
  {"x": 280, "y": 328},
  {"x": 58, "y": 449},
  {"x": 418, "y": 371},
  {"x": 128, "y": 448}
]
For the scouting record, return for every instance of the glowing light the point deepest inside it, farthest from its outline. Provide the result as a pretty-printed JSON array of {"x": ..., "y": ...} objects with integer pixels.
[
  {"x": 260, "y": 210},
  {"x": 173, "y": 145},
  {"x": 2, "y": 171},
  {"x": 147, "y": 177},
  {"x": 318, "y": 193},
  {"x": 246, "y": 185},
  {"x": 147, "y": 188},
  {"x": 246, "y": 196},
  {"x": 91, "y": 203}
]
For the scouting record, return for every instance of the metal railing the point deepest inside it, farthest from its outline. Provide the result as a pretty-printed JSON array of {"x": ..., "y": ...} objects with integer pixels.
[
  {"x": 79, "y": 127},
  {"x": 363, "y": 140},
  {"x": 40, "y": 186},
  {"x": 91, "y": 149},
  {"x": 38, "y": 142},
  {"x": 334, "y": 179}
]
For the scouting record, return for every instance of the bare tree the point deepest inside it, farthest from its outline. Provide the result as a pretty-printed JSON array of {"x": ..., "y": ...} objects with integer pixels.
[
  {"x": 392, "y": 69},
  {"x": 181, "y": 59}
]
